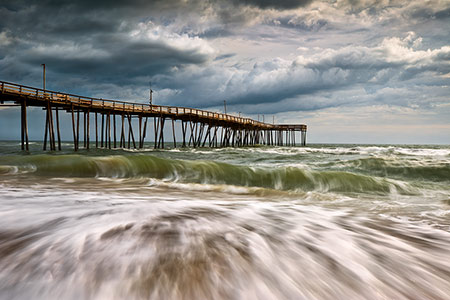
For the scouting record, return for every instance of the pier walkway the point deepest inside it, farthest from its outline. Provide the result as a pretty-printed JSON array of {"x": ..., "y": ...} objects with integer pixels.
[{"x": 199, "y": 128}]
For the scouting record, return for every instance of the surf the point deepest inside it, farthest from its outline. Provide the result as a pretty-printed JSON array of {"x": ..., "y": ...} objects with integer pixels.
[{"x": 286, "y": 178}]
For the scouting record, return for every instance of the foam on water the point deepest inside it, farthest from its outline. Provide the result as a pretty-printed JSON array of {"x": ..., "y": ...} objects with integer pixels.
[
  {"x": 111, "y": 246},
  {"x": 321, "y": 222}
]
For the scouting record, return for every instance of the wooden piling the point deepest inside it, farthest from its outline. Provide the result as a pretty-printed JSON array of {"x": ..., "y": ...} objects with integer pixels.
[
  {"x": 24, "y": 126},
  {"x": 57, "y": 128},
  {"x": 88, "y": 130},
  {"x": 109, "y": 130},
  {"x": 122, "y": 132},
  {"x": 140, "y": 132},
  {"x": 173, "y": 134},
  {"x": 75, "y": 146},
  {"x": 155, "y": 127},
  {"x": 102, "y": 131},
  {"x": 161, "y": 132},
  {"x": 45, "y": 132},
  {"x": 131, "y": 132},
  {"x": 114, "y": 130},
  {"x": 78, "y": 128},
  {"x": 84, "y": 129},
  {"x": 183, "y": 129},
  {"x": 144, "y": 135},
  {"x": 96, "y": 131}
]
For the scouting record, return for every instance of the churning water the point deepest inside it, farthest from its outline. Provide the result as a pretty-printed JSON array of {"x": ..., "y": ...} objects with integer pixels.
[{"x": 317, "y": 222}]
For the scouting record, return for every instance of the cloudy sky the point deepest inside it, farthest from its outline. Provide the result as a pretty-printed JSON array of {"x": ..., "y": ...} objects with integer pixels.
[{"x": 354, "y": 71}]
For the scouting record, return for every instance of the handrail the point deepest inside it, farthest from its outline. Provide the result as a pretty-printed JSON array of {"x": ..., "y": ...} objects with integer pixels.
[{"x": 136, "y": 107}]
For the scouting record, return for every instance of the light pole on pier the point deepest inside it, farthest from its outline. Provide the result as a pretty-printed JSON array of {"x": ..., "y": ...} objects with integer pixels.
[
  {"x": 225, "y": 106},
  {"x": 151, "y": 94},
  {"x": 43, "y": 76}
]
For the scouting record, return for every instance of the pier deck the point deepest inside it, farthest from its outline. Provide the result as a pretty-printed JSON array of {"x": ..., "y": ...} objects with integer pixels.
[{"x": 235, "y": 131}]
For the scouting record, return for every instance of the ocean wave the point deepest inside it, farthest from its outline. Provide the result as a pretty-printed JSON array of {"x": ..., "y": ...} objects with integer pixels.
[
  {"x": 388, "y": 150},
  {"x": 410, "y": 169},
  {"x": 8, "y": 170},
  {"x": 288, "y": 178}
]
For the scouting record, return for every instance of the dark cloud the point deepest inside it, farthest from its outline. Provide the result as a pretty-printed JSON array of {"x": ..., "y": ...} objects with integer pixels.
[
  {"x": 300, "y": 24},
  {"x": 428, "y": 13},
  {"x": 103, "y": 41},
  {"x": 276, "y": 4}
]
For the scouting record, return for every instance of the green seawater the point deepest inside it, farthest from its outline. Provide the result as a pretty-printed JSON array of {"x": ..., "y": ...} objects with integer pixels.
[{"x": 315, "y": 222}]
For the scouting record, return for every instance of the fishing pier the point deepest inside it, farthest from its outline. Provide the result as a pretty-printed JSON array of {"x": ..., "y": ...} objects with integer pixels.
[{"x": 113, "y": 124}]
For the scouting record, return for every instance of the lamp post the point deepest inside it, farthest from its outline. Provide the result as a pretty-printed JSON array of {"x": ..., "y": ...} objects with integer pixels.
[
  {"x": 151, "y": 94},
  {"x": 225, "y": 106},
  {"x": 43, "y": 76}
]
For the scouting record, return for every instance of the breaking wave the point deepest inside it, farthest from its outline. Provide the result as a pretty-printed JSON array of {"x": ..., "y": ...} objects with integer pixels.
[{"x": 206, "y": 172}]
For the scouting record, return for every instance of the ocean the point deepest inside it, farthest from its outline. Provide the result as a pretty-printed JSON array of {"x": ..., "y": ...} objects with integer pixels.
[{"x": 315, "y": 222}]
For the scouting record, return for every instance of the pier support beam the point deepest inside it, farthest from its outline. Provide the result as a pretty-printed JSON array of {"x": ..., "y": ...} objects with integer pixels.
[
  {"x": 144, "y": 133},
  {"x": 57, "y": 128},
  {"x": 49, "y": 130},
  {"x": 130, "y": 133},
  {"x": 173, "y": 134},
  {"x": 102, "y": 130},
  {"x": 122, "y": 133},
  {"x": 88, "y": 129},
  {"x": 162, "y": 120},
  {"x": 156, "y": 129},
  {"x": 24, "y": 126},
  {"x": 78, "y": 128},
  {"x": 75, "y": 146},
  {"x": 96, "y": 131},
  {"x": 114, "y": 131}
]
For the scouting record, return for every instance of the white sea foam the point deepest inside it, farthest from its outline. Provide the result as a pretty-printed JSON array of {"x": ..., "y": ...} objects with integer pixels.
[
  {"x": 241, "y": 246},
  {"x": 353, "y": 222}
]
